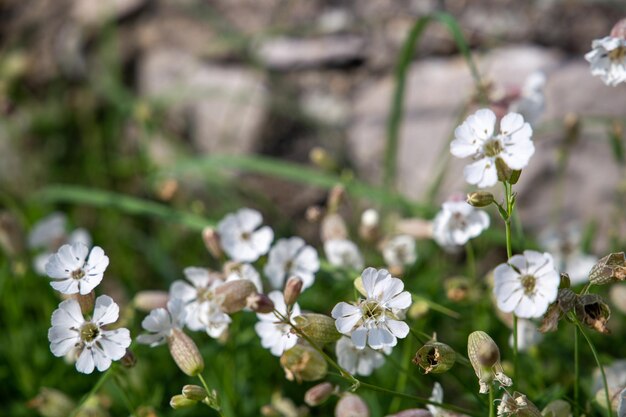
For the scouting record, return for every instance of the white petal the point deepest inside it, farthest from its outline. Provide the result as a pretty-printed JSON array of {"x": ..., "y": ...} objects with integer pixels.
[
  {"x": 115, "y": 342},
  {"x": 345, "y": 324},
  {"x": 199, "y": 277},
  {"x": 105, "y": 311},
  {"x": 482, "y": 123},
  {"x": 511, "y": 123},
  {"x": 85, "y": 363},
  {"x": 248, "y": 219},
  {"x": 182, "y": 291},
  {"x": 369, "y": 277},
  {"x": 66, "y": 286},
  {"x": 398, "y": 328},
  {"x": 482, "y": 173},
  {"x": 262, "y": 239},
  {"x": 359, "y": 337},
  {"x": 101, "y": 361},
  {"x": 68, "y": 315}
]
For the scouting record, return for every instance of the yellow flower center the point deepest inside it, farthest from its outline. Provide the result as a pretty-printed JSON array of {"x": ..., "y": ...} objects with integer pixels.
[
  {"x": 617, "y": 54},
  {"x": 89, "y": 332},
  {"x": 492, "y": 148},
  {"x": 78, "y": 274},
  {"x": 528, "y": 282}
]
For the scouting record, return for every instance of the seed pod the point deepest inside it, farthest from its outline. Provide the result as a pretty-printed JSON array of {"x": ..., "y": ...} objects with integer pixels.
[
  {"x": 457, "y": 288},
  {"x": 619, "y": 29},
  {"x": 609, "y": 269},
  {"x": 211, "y": 240},
  {"x": 303, "y": 363},
  {"x": 484, "y": 356},
  {"x": 318, "y": 394},
  {"x": 557, "y": 408},
  {"x": 333, "y": 227},
  {"x": 351, "y": 405},
  {"x": 293, "y": 288},
  {"x": 194, "y": 392},
  {"x": 517, "y": 405},
  {"x": 318, "y": 327},
  {"x": 129, "y": 359},
  {"x": 179, "y": 401},
  {"x": 480, "y": 199},
  {"x": 592, "y": 311},
  {"x": 260, "y": 303},
  {"x": 232, "y": 296},
  {"x": 565, "y": 301},
  {"x": 435, "y": 357},
  {"x": 185, "y": 353},
  {"x": 149, "y": 300}
]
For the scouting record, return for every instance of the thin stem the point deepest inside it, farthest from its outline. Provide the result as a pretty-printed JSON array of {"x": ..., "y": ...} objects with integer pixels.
[
  {"x": 508, "y": 195},
  {"x": 471, "y": 260},
  {"x": 576, "y": 374},
  {"x": 402, "y": 378},
  {"x": 94, "y": 389},
  {"x": 125, "y": 398},
  {"x": 208, "y": 391},
  {"x": 492, "y": 409}
]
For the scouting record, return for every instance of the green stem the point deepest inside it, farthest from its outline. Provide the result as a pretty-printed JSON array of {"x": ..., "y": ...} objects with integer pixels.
[
  {"x": 125, "y": 398},
  {"x": 94, "y": 389},
  {"x": 576, "y": 374},
  {"x": 402, "y": 378},
  {"x": 208, "y": 391},
  {"x": 492, "y": 409},
  {"x": 471, "y": 260},
  {"x": 508, "y": 195}
]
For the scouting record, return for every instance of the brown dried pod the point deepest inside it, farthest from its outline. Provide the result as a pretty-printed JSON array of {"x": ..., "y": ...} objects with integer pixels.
[
  {"x": 303, "y": 363},
  {"x": 592, "y": 311},
  {"x": 435, "y": 357},
  {"x": 233, "y": 295},
  {"x": 609, "y": 269},
  {"x": 565, "y": 302}
]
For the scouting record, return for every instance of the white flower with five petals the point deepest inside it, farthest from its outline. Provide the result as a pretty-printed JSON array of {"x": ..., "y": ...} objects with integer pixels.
[
  {"x": 359, "y": 361},
  {"x": 241, "y": 236},
  {"x": 608, "y": 59},
  {"x": 73, "y": 271},
  {"x": 160, "y": 323},
  {"x": 399, "y": 251},
  {"x": 291, "y": 257},
  {"x": 476, "y": 138},
  {"x": 96, "y": 347},
  {"x": 527, "y": 284},
  {"x": 276, "y": 335},
  {"x": 343, "y": 253},
  {"x": 374, "y": 321},
  {"x": 456, "y": 223}
]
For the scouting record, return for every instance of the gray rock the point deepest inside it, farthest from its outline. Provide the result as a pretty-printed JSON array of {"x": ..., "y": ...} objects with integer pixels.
[{"x": 89, "y": 12}]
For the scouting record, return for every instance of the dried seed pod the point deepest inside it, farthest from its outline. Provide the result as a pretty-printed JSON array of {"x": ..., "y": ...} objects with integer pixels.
[
  {"x": 480, "y": 199},
  {"x": 351, "y": 405},
  {"x": 318, "y": 394},
  {"x": 179, "y": 401},
  {"x": 592, "y": 311},
  {"x": 318, "y": 327},
  {"x": 484, "y": 356},
  {"x": 609, "y": 269},
  {"x": 129, "y": 359},
  {"x": 435, "y": 357},
  {"x": 557, "y": 408},
  {"x": 303, "y": 363},
  {"x": 194, "y": 392},
  {"x": 565, "y": 302},
  {"x": 517, "y": 405},
  {"x": 185, "y": 353},
  {"x": 232, "y": 296}
]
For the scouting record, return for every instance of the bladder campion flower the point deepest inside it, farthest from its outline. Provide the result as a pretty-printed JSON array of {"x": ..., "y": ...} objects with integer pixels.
[
  {"x": 399, "y": 251},
  {"x": 241, "y": 237},
  {"x": 359, "y": 361},
  {"x": 343, "y": 253},
  {"x": 476, "y": 138},
  {"x": 527, "y": 284},
  {"x": 96, "y": 347},
  {"x": 160, "y": 323},
  {"x": 608, "y": 59},
  {"x": 73, "y": 272},
  {"x": 276, "y": 335},
  {"x": 291, "y": 257},
  {"x": 456, "y": 223},
  {"x": 373, "y": 320}
]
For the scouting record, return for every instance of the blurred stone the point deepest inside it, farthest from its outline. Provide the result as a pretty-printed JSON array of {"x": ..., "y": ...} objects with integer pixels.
[{"x": 90, "y": 12}]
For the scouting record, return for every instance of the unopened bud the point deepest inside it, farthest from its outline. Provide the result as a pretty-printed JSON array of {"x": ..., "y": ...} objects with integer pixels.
[
  {"x": 557, "y": 408},
  {"x": 503, "y": 170},
  {"x": 52, "y": 403},
  {"x": 369, "y": 229},
  {"x": 435, "y": 357},
  {"x": 592, "y": 311},
  {"x": 233, "y": 295},
  {"x": 260, "y": 303},
  {"x": 318, "y": 394},
  {"x": 150, "y": 299},
  {"x": 351, "y": 405},
  {"x": 480, "y": 199},
  {"x": 185, "y": 353},
  {"x": 619, "y": 30},
  {"x": 318, "y": 327},
  {"x": 179, "y": 401},
  {"x": 167, "y": 189},
  {"x": 11, "y": 234},
  {"x": 609, "y": 269},
  {"x": 333, "y": 227},
  {"x": 194, "y": 392},
  {"x": 129, "y": 359},
  {"x": 293, "y": 288},
  {"x": 212, "y": 242},
  {"x": 303, "y": 363}
]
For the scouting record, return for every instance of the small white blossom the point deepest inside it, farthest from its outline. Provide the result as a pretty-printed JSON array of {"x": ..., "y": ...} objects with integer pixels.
[
  {"x": 608, "y": 59},
  {"x": 527, "y": 284},
  {"x": 359, "y": 361},
  {"x": 160, "y": 323},
  {"x": 73, "y": 272},
  {"x": 97, "y": 347},
  {"x": 399, "y": 251},
  {"x": 343, "y": 253},
  {"x": 373, "y": 321},
  {"x": 532, "y": 101},
  {"x": 241, "y": 236},
  {"x": 202, "y": 310},
  {"x": 565, "y": 248},
  {"x": 527, "y": 335},
  {"x": 476, "y": 138},
  {"x": 275, "y": 335},
  {"x": 291, "y": 257},
  {"x": 457, "y": 222},
  {"x": 437, "y": 397},
  {"x": 247, "y": 272}
]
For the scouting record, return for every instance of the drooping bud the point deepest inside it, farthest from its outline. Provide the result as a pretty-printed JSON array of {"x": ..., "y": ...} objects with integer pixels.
[
  {"x": 232, "y": 296},
  {"x": 484, "y": 356},
  {"x": 185, "y": 353},
  {"x": 369, "y": 229},
  {"x": 211, "y": 240},
  {"x": 303, "y": 363},
  {"x": 318, "y": 394},
  {"x": 260, "y": 303},
  {"x": 293, "y": 288},
  {"x": 333, "y": 227},
  {"x": 194, "y": 392},
  {"x": 609, "y": 269},
  {"x": 150, "y": 299},
  {"x": 52, "y": 403},
  {"x": 557, "y": 408},
  {"x": 129, "y": 359},
  {"x": 351, "y": 405},
  {"x": 435, "y": 357},
  {"x": 318, "y": 327},
  {"x": 480, "y": 199},
  {"x": 179, "y": 401},
  {"x": 619, "y": 29},
  {"x": 11, "y": 234},
  {"x": 592, "y": 311},
  {"x": 517, "y": 405}
]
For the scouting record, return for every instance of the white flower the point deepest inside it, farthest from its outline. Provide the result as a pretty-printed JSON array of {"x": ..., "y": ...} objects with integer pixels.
[
  {"x": 343, "y": 253},
  {"x": 399, "y": 251},
  {"x": 373, "y": 321},
  {"x": 608, "y": 59},
  {"x": 73, "y": 272},
  {"x": 291, "y": 257},
  {"x": 275, "y": 335},
  {"x": 241, "y": 237},
  {"x": 247, "y": 272},
  {"x": 475, "y": 138},
  {"x": 527, "y": 284},
  {"x": 202, "y": 311},
  {"x": 527, "y": 335},
  {"x": 359, "y": 361},
  {"x": 437, "y": 397},
  {"x": 97, "y": 346},
  {"x": 565, "y": 247},
  {"x": 457, "y": 222},
  {"x": 531, "y": 102},
  {"x": 160, "y": 323}
]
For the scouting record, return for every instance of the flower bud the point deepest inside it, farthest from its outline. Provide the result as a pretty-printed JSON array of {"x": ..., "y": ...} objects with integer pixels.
[
  {"x": 318, "y": 394},
  {"x": 260, "y": 303},
  {"x": 293, "y": 287},
  {"x": 179, "y": 401},
  {"x": 619, "y": 29},
  {"x": 435, "y": 357},
  {"x": 592, "y": 311},
  {"x": 212, "y": 242},
  {"x": 503, "y": 170},
  {"x": 11, "y": 234},
  {"x": 129, "y": 359},
  {"x": 185, "y": 353},
  {"x": 150, "y": 299},
  {"x": 480, "y": 199},
  {"x": 333, "y": 227},
  {"x": 351, "y": 405},
  {"x": 557, "y": 408},
  {"x": 303, "y": 363},
  {"x": 318, "y": 327},
  {"x": 609, "y": 269},
  {"x": 369, "y": 229},
  {"x": 194, "y": 392},
  {"x": 413, "y": 412},
  {"x": 232, "y": 296},
  {"x": 52, "y": 403}
]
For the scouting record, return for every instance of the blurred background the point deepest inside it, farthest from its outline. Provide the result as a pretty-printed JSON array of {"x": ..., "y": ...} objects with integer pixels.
[{"x": 202, "y": 107}]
